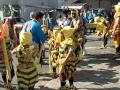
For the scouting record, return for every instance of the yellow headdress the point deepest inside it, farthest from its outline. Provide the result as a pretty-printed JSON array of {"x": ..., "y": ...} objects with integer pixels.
[
  {"x": 56, "y": 30},
  {"x": 117, "y": 9},
  {"x": 25, "y": 38},
  {"x": 68, "y": 31}
]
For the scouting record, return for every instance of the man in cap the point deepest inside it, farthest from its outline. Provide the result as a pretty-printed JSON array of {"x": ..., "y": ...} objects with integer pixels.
[{"x": 34, "y": 26}]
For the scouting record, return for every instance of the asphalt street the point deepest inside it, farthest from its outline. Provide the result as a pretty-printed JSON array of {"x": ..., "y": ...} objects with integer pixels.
[{"x": 98, "y": 71}]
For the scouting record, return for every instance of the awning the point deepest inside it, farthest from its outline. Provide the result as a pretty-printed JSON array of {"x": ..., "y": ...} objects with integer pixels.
[{"x": 74, "y": 6}]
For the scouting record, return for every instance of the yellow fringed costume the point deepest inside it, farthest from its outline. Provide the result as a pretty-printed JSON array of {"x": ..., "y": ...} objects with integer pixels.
[
  {"x": 53, "y": 52},
  {"x": 101, "y": 28},
  {"x": 65, "y": 33},
  {"x": 66, "y": 71},
  {"x": 27, "y": 74},
  {"x": 68, "y": 56},
  {"x": 116, "y": 29},
  {"x": 6, "y": 60}
]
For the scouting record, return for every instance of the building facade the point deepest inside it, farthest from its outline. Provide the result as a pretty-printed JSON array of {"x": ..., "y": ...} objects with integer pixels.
[
  {"x": 26, "y": 6},
  {"x": 107, "y": 4},
  {"x": 60, "y": 3},
  {"x": 6, "y": 2}
]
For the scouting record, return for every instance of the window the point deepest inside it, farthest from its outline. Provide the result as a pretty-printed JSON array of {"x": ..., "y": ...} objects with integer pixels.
[{"x": 42, "y": 3}]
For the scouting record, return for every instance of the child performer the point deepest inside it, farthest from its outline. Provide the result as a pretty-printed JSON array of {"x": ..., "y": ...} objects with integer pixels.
[{"x": 27, "y": 74}]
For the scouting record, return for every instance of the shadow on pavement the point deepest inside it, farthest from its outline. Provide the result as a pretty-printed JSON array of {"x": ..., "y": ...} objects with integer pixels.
[
  {"x": 99, "y": 59},
  {"x": 44, "y": 88},
  {"x": 93, "y": 40},
  {"x": 100, "y": 77},
  {"x": 45, "y": 74},
  {"x": 99, "y": 56},
  {"x": 97, "y": 76},
  {"x": 46, "y": 79}
]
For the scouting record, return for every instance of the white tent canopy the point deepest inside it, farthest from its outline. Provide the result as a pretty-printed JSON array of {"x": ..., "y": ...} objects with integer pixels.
[{"x": 73, "y": 6}]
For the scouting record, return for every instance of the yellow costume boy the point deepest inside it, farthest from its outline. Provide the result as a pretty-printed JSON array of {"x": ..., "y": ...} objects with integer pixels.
[
  {"x": 53, "y": 52},
  {"x": 68, "y": 58},
  {"x": 27, "y": 74},
  {"x": 101, "y": 28}
]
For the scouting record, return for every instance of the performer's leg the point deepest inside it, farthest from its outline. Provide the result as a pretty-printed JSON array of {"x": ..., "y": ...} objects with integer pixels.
[
  {"x": 105, "y": 41},
  {"x": 20, "y": 88},
  {"x": 31, "y": 88},
  {"x": 62, "y": 81},
  {"x": 117, "y": 55},
  {"x": 12, "y": 71},
  {"x": 118, "y": 50},
  {"x": 42, "y": 48},
  {"x": 71, "y": 80},
  {"x": 54, "y": 73},
  {"x": 54, "y": 69},
  {"x": 4, "y": 77},
  {"x": 50, "y": 64},
  {"x": 6, "y": 82}
]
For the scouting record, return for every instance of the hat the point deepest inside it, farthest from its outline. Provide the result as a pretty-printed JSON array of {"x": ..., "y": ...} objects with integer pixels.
[
  {"x": 25, "y": 38},
  {"x": 117, "y": 9}
]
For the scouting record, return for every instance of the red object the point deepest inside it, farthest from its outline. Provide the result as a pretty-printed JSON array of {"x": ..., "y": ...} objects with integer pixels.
[
  {"x": 117, "y": 32},
  {"x": 4, "y": 28}
]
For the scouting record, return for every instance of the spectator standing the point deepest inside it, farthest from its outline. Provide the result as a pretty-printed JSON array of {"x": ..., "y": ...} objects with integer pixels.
[{"x": 34, "y": 26}]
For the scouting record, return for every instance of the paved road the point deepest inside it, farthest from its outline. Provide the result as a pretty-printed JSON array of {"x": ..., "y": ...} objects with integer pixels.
[{"x": 97, "y": 71}]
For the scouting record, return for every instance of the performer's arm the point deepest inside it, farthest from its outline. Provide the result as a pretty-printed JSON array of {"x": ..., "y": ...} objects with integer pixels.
[
  {"x": 14, "y": 50},
  {"x": 117, "y": 20},
  {"x": 70, "y": 53}
]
